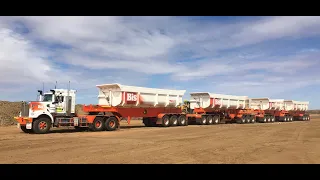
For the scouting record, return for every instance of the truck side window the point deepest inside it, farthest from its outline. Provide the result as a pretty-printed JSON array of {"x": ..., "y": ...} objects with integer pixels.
[{"x": 59, "y": 98}]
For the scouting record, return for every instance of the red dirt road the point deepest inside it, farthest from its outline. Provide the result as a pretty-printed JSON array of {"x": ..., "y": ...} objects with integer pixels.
[{"x": 291, "y": 142}]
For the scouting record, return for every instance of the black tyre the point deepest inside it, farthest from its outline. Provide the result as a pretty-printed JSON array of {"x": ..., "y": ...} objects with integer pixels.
[
  {"x": 98, "y": 124},
  {"x": 165, "y": 121},
  {"x": 247, "y": 119},
  {"x": 111, "y": 124},
  {"x": 241, "y": 120},
  {"x": 209, "y": 120},
  {"x": 182, "y": 120},
  {"x": 41, "y": 126},
  {"x": 273, "y": 119},
  {"x": 216, "y": 119},
  {"x": 264, "y": 119},
  {"x": 25, "y": 130},
  {"x": 203, "y": 120},
  {"x": 174, "y": 120}
]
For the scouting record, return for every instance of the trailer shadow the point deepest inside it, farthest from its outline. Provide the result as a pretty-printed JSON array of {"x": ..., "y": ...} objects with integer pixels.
[{"x": 72, "y": 130}]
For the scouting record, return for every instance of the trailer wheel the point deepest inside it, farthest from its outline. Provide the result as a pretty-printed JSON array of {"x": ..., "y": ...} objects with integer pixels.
[
  {"x": 25, "y": 130},
  {"x": 209, "y": 120},
  {"x": 216, "y": 120},
  {"x": 268, "y": 119},
  {"x": 182, "y": 120},
  {"x": 247, "y": 119},
  {"x": 241, "y": 120},
  {"x": 165, "y": 121},
  {"x": 291, "y": 118},
  {"x": 252, "y": 119},
  {"x": 111, "y": 124},
  {"x": 203, "y": 120},
  {"x": 41, "y": 126},
  {"x": 174, "y": 120}
]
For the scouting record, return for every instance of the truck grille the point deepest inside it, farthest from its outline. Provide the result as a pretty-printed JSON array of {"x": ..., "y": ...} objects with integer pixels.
[{"x": 24, "y": 109}]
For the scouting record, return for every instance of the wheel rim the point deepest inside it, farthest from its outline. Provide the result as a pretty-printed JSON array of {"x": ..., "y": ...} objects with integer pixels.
[
  {"x": 203, "y": 121},
  {"x": 112, "y": 124},
  {"x": 210, "y": 120},
  {"x": 175, "y": 122},
  {"x": 216, "y": 121},
  {"x": 42, "y": 125},
  {"x": 183, "y": 121},
  {"x": 98, "y": 124},
  {"x": 264, "y": 119},
  {"x": 166, "y": 121}
]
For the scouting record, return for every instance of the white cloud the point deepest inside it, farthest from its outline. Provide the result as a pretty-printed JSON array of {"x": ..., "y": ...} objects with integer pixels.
[{"x": 95, "y": 50}]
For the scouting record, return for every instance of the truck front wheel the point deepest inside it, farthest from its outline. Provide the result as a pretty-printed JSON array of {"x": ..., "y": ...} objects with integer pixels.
[
  {"x": 25, "y": 130},
  {"x": 41, "y": 126}
]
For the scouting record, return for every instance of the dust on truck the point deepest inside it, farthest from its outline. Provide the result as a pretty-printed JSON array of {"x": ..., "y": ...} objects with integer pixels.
[{"x": 115, "y": 101}]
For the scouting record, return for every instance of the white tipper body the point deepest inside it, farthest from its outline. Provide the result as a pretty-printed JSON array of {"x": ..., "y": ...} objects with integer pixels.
[
  {"x": 292, "y": 105},
  {"x": 266, "y": 104},
  {"x": 217, "y": 101},
  {"x": 118, "y": 95}
]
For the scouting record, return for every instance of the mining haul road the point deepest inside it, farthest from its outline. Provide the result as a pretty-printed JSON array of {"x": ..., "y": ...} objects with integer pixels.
[{"x": 285, "y": 143}]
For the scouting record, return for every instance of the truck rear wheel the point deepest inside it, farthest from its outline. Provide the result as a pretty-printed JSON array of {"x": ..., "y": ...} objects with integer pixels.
[
  {"x": 41, "y": 126},
  {"x": 111, "y": 124},
  {"x": 165, "y": 121},
  {"x": 174, "y": 120},
  {"x": 182, "y": 120},
  {"x": 25, "y": 130},
  {"x": 98, "y": 124}
]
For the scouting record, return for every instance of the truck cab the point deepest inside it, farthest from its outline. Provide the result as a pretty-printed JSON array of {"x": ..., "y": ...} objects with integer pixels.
[{"x": 38, "y": 115}]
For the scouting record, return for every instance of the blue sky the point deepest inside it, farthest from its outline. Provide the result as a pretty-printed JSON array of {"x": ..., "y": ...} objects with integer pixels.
[{"x": 275, "y": 57}]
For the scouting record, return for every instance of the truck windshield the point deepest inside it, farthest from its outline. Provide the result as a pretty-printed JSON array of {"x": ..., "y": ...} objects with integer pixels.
[{"x": 47, "y": 98}]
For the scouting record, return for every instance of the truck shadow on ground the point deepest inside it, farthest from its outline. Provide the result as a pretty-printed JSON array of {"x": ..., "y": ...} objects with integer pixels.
[{"x": 72, "y": 130}]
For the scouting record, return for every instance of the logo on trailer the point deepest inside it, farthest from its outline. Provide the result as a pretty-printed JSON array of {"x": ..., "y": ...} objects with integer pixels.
[
  {"x": 217, "y": 102},
  {"x": 131, "y": 97}
]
